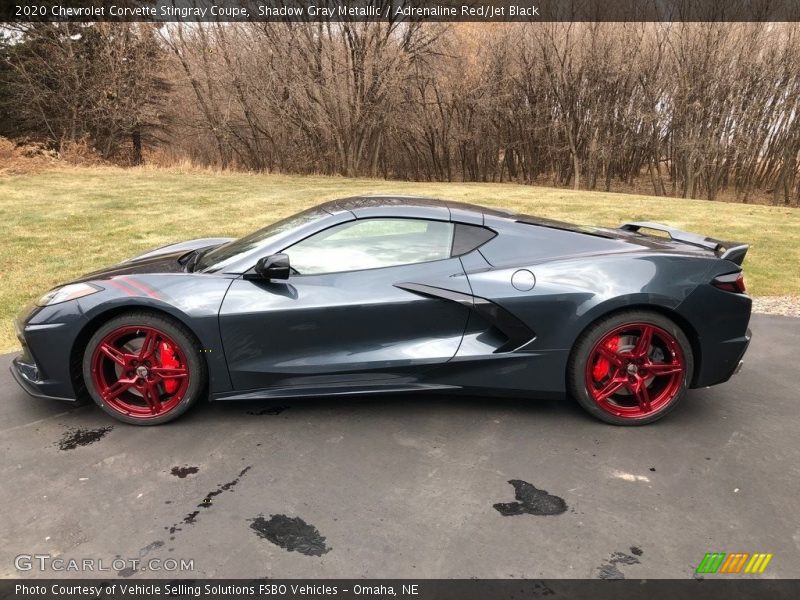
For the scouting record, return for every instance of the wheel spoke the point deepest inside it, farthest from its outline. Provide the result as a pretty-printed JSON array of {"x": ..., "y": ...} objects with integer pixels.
[
  {"x": 658, "y": 369},
  {"x": 613, "y": 385},
  {"x": 170, "y": 372},
  {"x": 642, "y": 348},
  {"x": 114, "y": 354},
  {"x": 152, "y": 396},
  {"x": 149, "y": 345},
  {"x": 639, "y": 390},
  {"x": 118, "y": 387},
  {"x": 609, "y": 355}
]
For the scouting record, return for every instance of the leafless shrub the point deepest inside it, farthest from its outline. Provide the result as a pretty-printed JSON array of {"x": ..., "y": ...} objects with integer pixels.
[{"x": 685, "y": 109}]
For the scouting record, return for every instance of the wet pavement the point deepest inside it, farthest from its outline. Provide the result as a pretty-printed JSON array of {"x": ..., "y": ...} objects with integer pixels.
[{"x": 413, "y": 486}]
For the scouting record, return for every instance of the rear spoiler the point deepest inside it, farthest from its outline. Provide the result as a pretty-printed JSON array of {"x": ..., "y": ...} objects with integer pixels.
[{"x": 732, "y": 251}]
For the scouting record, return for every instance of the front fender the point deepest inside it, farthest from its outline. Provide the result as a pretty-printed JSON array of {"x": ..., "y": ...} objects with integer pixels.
[{"x": 193, "y": 300}]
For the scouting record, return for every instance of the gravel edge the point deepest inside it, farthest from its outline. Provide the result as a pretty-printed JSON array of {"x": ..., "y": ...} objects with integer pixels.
[{"x": 788, "y": 306}]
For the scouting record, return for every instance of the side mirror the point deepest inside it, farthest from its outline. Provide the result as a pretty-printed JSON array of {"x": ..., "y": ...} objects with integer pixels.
[{"x": 271, "y": 267}]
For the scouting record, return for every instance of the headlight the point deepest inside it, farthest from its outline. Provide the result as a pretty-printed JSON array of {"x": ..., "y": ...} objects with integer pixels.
[{"x": 67, "y": 292}]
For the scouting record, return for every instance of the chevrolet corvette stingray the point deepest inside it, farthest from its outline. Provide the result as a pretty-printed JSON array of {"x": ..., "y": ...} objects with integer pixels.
[{"x": 375, "y": 295}]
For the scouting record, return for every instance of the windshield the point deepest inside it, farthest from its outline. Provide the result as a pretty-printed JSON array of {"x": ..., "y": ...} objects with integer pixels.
[{"x": 218, "y": 258}]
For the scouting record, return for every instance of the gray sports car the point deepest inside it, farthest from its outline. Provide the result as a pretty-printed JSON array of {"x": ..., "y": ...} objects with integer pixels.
[{"x": 373, "y": 295}]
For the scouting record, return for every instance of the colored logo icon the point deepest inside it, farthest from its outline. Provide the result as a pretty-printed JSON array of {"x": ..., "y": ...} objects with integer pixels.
[{"x": 735, "y": 563}]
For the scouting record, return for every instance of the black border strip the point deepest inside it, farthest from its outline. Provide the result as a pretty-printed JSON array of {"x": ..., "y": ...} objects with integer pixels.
[
  {"x": 400, "y": 10},
  {"x": 421, "y": 589}
]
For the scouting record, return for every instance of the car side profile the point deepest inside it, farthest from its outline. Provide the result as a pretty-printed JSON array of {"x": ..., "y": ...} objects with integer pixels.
[{"x": 375, "y": 295}]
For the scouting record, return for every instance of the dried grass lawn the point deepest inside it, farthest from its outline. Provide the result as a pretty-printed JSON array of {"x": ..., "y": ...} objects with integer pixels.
[{"x": 58, "y": 223}]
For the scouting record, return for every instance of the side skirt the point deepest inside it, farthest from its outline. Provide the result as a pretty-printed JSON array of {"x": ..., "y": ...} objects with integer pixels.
[{"x": 332, "y": 390}]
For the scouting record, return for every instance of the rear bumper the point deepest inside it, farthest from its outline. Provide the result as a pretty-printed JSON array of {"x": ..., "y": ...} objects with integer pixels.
[
  {"x": 740, "y": 360},
  {"x": 724, "y": 362},
  {"x": 27, "y": 376},
  {"x": 720, "y": 332}
]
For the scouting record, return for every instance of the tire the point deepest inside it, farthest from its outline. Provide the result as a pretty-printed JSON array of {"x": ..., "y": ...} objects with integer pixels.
[
  {"x": 144, "y": 368},
  {"x": 617, "y": 380}
]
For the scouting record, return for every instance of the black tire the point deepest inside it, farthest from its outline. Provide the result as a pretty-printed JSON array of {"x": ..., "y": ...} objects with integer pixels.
[
  {"x": 191, "y": 349},
  {"x": 586, "y": 344}
]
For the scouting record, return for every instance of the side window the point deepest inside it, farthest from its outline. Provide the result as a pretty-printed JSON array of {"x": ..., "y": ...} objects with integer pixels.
[
  {"x": 469, "y": 237},
  {"x": 371, "y": 244}
]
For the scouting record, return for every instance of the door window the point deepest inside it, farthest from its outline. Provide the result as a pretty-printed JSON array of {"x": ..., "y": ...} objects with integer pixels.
[{"x": 372, "y": 244}]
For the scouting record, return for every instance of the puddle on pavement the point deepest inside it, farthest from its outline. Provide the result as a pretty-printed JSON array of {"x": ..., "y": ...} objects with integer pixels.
[
  {"x": 150, "y": 547},
  {"x": 610, "y": 569},
  {"x": 191, "y": 518},
  {"x": 77, "y": 436},
  {"x": 290, "y": 533},
  {"x": 183, "y": 472},
  {"x": 531, "y": 500},
  {"x": 222, "y": 488}
]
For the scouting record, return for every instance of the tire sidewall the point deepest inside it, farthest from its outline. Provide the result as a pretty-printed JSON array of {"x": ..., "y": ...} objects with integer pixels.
[
  {"x": 576, "y": 383},
  {"x": 197, "y": 367}
]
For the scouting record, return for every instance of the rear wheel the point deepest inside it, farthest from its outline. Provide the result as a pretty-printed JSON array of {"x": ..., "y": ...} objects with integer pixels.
[
  {"x": 631, "y": 368},
  {"x": 144, "y": 369}
]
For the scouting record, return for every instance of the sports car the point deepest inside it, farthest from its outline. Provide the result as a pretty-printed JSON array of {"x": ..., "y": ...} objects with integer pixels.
[{"x": 377, "y": 295}]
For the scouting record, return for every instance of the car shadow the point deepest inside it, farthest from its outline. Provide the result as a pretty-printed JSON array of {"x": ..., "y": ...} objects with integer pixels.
[
  {"x": 702, "y": 405},
  {"x": 388, "y": 405}
]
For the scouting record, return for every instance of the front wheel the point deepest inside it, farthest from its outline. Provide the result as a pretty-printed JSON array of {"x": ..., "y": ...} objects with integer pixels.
[
  {"x": 631, "y": 368},
  {"x": 144, "y": 369}
]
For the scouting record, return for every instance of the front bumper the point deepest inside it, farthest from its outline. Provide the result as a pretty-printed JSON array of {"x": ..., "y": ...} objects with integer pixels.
[
  {"x": 42, "y": 368},
  {"x": 27, "y": 376}
]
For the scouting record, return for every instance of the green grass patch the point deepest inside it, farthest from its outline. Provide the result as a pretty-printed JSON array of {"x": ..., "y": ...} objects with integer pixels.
[{"x": 58, "y": 224}]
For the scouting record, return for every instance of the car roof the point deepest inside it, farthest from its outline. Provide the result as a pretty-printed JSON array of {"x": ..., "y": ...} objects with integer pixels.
[{"x": 414, "y": 206}]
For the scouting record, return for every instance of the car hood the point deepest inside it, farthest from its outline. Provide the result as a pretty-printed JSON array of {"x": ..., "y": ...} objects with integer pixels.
[
  {"x": 182, "y": 247},
  {"x": 165, "y": 259}
]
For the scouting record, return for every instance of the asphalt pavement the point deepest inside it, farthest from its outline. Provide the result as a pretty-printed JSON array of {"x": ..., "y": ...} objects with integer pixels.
[{"x": 406, "y": 486}]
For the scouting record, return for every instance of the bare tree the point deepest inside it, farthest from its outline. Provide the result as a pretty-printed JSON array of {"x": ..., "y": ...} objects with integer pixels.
[
  {"x": 703, "y": 109},
  {"x": 66, "y": 81}
]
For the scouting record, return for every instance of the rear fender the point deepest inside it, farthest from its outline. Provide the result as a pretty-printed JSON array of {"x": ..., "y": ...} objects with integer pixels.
[{"x": 569, "y": 295}]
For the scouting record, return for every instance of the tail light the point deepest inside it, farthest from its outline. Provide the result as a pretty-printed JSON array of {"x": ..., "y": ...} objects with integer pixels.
[{"x": 731, "y": 282}]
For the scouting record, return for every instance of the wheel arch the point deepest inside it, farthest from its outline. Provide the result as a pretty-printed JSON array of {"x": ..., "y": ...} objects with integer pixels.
[
  {"x": 96, "y": 321},
  {"x": 665, "y": 311}
]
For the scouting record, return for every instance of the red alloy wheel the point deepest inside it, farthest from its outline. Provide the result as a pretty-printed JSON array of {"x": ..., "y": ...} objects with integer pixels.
[
  {"x": 635, "y": 370},
  {"x": 140, "y": 371}
]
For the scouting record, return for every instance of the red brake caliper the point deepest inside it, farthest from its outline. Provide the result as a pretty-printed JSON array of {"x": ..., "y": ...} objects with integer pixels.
[
  {"x": 168, "y": 361},
  {"x": 602, "y": 366}
]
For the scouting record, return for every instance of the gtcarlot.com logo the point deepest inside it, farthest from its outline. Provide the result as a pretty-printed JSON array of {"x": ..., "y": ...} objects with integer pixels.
[
  {"x": 46, "y": 562},
  {"x": 735, "y": 563}
]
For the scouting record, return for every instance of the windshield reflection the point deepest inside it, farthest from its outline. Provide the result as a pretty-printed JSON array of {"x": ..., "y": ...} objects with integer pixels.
[{"x": 218, "y": 258}]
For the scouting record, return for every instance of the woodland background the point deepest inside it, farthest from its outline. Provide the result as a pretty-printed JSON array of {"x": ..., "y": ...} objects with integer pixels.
[{"x": 693, "y": 110}]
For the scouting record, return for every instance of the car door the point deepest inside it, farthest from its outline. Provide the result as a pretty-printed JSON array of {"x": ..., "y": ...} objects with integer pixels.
[{"x": 340, "y": 316}]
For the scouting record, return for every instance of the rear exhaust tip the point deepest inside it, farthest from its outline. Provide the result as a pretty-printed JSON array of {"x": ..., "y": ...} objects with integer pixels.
[{"x": 738, "y": 367}]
